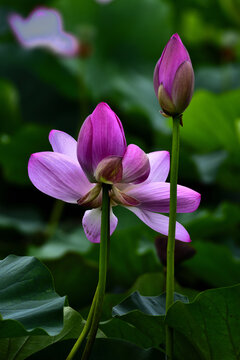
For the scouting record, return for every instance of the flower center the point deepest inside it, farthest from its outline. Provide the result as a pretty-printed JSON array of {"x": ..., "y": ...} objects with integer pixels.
[{"x": 109, "y": 170}]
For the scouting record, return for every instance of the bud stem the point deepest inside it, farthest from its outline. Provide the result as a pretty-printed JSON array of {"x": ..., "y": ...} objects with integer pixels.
[
  {"x": 103, "y": 262},
  {"x": 171, "y": 231}
]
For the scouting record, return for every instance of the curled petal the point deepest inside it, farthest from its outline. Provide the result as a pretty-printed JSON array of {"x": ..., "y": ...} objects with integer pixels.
[
  {"x": 120, "y": 198},
  {"x": 58, "y": 176},
  {"x": 156, "y": 197},
  {"x": 159, "y": 166},
  {"x": 63, "y": 143},
  {"x": 89, "y": 199},
  {"x": 183, "y": 87},
  {"x": 160, "y": 223},
  {"x": 135, "y": 164},
  {"x": 92, "y": 224},
  {"x": 166, "y": 103},
  {"x": 43, "y": 28},
  {"x": 101, "y": 136},
  {"x": 109, "y": 170}
]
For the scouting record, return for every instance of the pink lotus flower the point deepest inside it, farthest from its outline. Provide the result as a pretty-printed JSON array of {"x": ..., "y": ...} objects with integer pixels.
[
  {"x": 174, "y": 78},
  {"x": 44, "y": 28},
  {"x": 103, "y": 1},
  {"x": 74, "y": 171}
]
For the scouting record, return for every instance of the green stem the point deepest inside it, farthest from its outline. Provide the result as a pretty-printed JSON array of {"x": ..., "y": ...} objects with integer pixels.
[
  {"x": 85, "y": 329},
  {"x": 103, "y": 262},
  {"x": 171, "y": 231},
  {"x": 54, "y": 218}
]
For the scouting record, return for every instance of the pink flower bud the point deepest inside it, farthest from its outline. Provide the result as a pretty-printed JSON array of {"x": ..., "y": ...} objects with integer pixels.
[
  {"x": 174, "y": 78},
  {"x": 101, "y": 136}
]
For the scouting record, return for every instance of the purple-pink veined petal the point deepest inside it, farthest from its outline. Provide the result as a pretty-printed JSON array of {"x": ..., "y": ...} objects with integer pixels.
[
  {"x": 135, "y": 165},
  {"x": 92, "y": 224},
  {"x": 156, "y": 197},
  {"x": 174, "y": 54},
  {"x": 108, "y": 134},
  {"x": 101, "y": 135},
  {"x": 183, "y": 86},
  {"x": 156, "y": 82},
  {"x": 159, "y": 223},
  {"x": 63, "y": 143},
  {"x": 58, "y": 176},
  {"x": 159, "y": 166},
  {"x": 43, "y": 28},
  {"x": 84, "y": 147}
]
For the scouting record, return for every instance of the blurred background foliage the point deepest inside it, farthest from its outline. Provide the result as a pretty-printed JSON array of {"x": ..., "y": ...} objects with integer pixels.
[{"x": 121, "y": 42}]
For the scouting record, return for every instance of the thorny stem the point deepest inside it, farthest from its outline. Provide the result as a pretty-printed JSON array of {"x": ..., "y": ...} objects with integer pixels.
[{"x": 171, "y": 230}]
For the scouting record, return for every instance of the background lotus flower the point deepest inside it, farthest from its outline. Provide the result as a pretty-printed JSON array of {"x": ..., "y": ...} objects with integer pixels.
[
  {"x": 174, "y": 78},
  {"x": 138, "y": 182},
  {"x": 104, "y": 1},
  {"x": 44, "y": 28}
]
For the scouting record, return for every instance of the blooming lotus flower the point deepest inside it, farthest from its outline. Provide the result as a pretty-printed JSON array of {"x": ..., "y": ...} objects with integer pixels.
[
  {"x": 74, "y": 172},
  {"x": 44, "y": 28},
  {"x": 174, "y": 78}
]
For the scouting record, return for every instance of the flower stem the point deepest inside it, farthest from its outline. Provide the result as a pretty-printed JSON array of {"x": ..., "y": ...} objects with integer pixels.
[
  {"x": 85, "y": 329},
  {"x": 171, "y": 231},
  {"x": 54, "y": 218},
  {"x": 103, "y": 262}
]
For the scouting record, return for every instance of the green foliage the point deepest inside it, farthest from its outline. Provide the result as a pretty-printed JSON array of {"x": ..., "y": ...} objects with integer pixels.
[
  {"x": 102, "y": 349},
  {"x": 29, "y": 304},
  {"x": 29, "y": 139},
  {"x": 223, "y": 271},
  {"x": 9, "y": 107},
  {"x": 60, "y": 244},
  {"x": 209, "y": 325},
  {"x": 143, "y": 313},
  {"x": 22, "y": 347},
  {"x": 25, "y": 221},
  {"x": 215, "y": 118}
]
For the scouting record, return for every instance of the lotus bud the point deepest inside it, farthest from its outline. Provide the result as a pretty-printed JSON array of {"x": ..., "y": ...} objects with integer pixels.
[
  {"x": 101, "y": 136},
  {"x": 174, "y": 78}
]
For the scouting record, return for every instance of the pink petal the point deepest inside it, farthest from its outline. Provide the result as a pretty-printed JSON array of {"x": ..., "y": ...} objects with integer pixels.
[
  {"x": 173, "y": 55},
  {"x": 101, "y": 135},
  {"x": 156, "y": 197},
  {"x": 159, "y": 166},
  {"x": 135, "y": 164},
  {"x": 108, "y": 134},
  {"x": 183, "y": 86},
  {"x": 58, "y": 176},
  {"x": 159, "y": 223},
  {"x": 92, "y": 224},
  {"x": 84, "y": 148},
  {"x": 43, "y": 28},
  {"x": 63, "y": 143}
]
